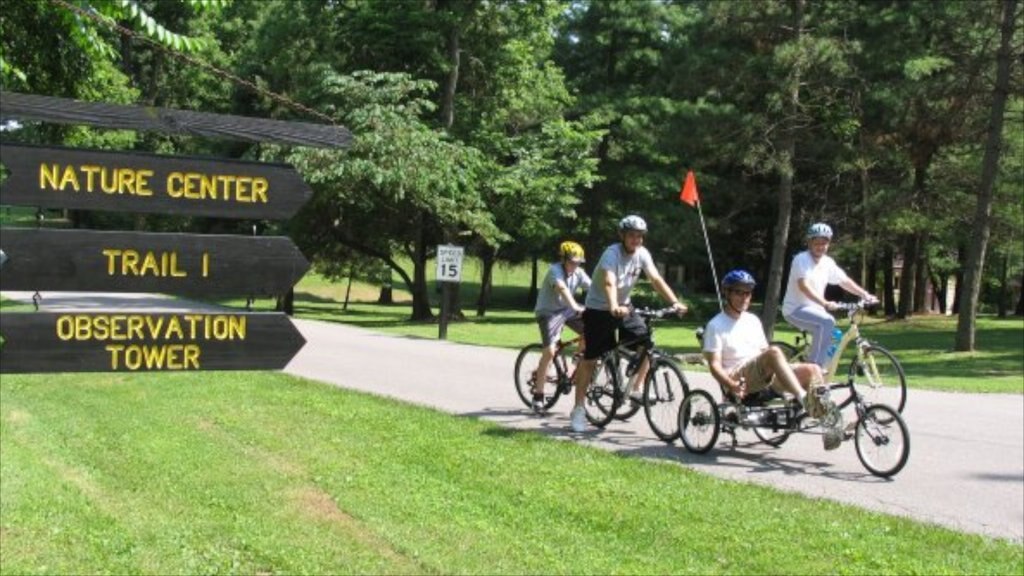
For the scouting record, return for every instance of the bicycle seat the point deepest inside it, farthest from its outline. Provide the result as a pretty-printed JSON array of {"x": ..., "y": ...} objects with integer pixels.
[{"x": 761, "y": 397}]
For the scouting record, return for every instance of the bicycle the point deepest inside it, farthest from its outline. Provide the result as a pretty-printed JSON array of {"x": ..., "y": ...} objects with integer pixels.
[
  {"x": 559, "y": 379},
  {"x": 881, "y": 437},
  {"x": 665, "y": 385},
  {"x": 874, "y": 374}
]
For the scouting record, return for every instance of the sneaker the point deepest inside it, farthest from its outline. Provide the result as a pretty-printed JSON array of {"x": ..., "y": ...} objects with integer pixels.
[
  {"x": 832, "y": 426},
  {"x": 832, "y": 438},
  {"x": 637, "y": 396},
  {"x": 814, "y": 406},
  {"x": 538, "y": 403},
  {"x": 578, "y": 419}
]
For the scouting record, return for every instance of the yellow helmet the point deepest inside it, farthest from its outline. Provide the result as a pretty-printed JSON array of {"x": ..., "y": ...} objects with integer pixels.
[{"x": 570, "y": 250}]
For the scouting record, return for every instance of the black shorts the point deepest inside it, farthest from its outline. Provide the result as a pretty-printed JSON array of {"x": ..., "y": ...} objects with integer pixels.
[{"x": 602, "y": 332}]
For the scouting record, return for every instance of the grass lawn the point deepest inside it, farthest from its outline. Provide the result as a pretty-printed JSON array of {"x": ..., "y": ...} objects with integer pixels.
[{"x": 264, "y": 473}]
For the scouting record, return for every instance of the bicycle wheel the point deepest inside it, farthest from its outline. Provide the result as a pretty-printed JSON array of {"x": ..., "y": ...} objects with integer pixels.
[
  {"x": 878, "y": 378},
  {"x": 603, "y": 395},
  {"x": 772, "y": 437},
  {"x": 882, "y": 441},
  {"x": 526, "y": 365},
  {"x": 664, "y": 390},
  {"x": 698, "y": 422},
  {"x": 792, "y": 353}
]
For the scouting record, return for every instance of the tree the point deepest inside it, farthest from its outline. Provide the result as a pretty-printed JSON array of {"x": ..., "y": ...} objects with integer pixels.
[
  {"x": 990, "y": 166},
  {"x": 399, "y": 185}
]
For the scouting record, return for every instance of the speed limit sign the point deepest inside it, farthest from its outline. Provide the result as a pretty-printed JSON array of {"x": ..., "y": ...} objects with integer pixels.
[{"x": 449, "y": 263}]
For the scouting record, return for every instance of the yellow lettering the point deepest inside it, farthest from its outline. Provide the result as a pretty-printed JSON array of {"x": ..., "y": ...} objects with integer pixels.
[
  {"x": 65, "y": 328},
  {"x": 115, "y": 350},
  {"x": 243, "y": 189},
  {"x": 175, "y": 271},
  {"x": 125, "y": 181},
  {"x": 191, "y": 359},
  {"x": 48, "y": 176},
  {"x": 149, "y": 265},
  {"x": 206, "y": 264},
  {"x": 111, "y": 254},
  {"x": 173, "y": 325},
  {"x": 142, "y": 183},
  {"x": 259, "y": 189},
  {"x": 129, "y": 262},
  {"x": 135, "y": 326},
  {"x": 174, "y": 180},
  {"x": 153, "y": 324},
  {"x": 83, "y": 328},
  {"x": 109, "y": 185},
  {"x": 90, "y": 172},
  {"x": 69, "y": 177}
]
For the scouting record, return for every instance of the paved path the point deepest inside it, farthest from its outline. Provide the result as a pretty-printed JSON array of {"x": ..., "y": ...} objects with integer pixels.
[{"x": 966, "y": 468}]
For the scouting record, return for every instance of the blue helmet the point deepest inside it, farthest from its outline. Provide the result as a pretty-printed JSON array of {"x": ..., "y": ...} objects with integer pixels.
[{"x": 738, "y": 277}]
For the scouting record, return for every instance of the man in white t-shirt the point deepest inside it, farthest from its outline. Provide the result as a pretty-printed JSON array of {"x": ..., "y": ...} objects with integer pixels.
[
  {"x": 743, "y": 363},
  {"x": 804, "y": 304},
  {"x": 556, "y": 308},
  {"x": 608, "y": 312}
]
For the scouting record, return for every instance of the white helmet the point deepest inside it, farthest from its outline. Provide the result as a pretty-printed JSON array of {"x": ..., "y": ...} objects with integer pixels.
[
  {"x": 819, "y": 230},
  {"x": 632, "y": 223}
]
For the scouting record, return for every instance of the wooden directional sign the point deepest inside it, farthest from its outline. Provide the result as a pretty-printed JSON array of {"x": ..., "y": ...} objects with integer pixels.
[
  {"x": 189, "y": 264},
  {"x": 49, "y": 177},
  {"x": 145, "y": 342}
]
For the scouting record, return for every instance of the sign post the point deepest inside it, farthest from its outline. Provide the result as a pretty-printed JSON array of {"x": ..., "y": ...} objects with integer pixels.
[{"x": 449, "y": 270}]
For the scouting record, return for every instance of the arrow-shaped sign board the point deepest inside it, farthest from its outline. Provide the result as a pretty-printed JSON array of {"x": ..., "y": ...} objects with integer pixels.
[
  {"x": 50, "y": 177},
  {"x": 145, "y": 342},
  {"x": 189, "y": 264}
]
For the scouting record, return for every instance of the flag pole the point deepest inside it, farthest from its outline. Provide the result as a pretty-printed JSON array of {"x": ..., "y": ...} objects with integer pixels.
[
  {"x": 711, "y": 259},
  {"x": 688, "y": 195}
]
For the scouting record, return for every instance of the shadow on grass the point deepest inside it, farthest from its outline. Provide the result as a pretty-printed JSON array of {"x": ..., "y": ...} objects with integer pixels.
[{"x": 748, "y": 457}]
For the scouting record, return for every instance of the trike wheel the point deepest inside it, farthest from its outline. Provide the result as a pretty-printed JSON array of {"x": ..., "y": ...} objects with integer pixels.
[
  {"x": 664, "y": 391},
  {"x": 698, "y": 421},
  {"x": 878, "y": 378},
  {"x": 603, "y": 395},
  {"x": 882, "y": 441},
  {"x": 526, "y": 365},
  {"x": 772, "y": 437}
]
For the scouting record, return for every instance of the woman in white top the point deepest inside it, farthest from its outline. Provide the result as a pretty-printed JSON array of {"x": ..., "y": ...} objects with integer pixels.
[{"x": 804, "y": 305}]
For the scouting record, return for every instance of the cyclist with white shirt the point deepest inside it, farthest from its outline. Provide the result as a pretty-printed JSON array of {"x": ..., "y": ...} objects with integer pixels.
[
  {"x": 804, "y": 304},
  {"x": 608, "y": 314}
]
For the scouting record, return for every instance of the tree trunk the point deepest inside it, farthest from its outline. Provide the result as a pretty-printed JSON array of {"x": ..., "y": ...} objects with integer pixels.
[
  {"x": 531, "y": 296},
  {"x": 488, "y": 257},
  {"x": 1019, "y": 311},
  {"x": 888, "y": 282},
  {"x": 966, "y": 321},
  {"x": 907, "y": 275},
  {"x": 386, "y": 287},
  {"x": 1003, "y": 305},
  {"x": 787, "y": 151},
  {"x": 921, "y": 304},
  {"x": 420, "y": 295}
]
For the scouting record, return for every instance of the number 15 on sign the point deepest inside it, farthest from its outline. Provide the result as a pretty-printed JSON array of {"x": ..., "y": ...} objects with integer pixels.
[{"x": 449, "y": 263}]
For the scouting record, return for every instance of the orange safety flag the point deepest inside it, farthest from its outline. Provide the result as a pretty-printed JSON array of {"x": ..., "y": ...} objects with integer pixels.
[{"x": 688, "y": 193}]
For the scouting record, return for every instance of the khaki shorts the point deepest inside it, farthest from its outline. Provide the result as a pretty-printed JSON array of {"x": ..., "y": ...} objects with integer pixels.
[{"x": 757, "y": 376}]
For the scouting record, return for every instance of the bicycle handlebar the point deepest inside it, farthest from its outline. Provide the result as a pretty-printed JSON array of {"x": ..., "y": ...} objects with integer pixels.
[
  {"x": 853, "y": 307},
  {"x": 652, "y": 313}
]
